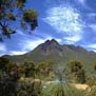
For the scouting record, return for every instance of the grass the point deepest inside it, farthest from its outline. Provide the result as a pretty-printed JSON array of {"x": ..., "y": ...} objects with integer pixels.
[{"x": 67, "y": 89}]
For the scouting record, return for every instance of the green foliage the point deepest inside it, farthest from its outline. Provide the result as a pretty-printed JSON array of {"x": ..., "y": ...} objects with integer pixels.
[
  {"x": 77, "y": 70},
  {"x": 94, "y": 66},
  {"x": 92, "y": 91},
  {"x": 11, "y": 85},
  {"x": 20, "y": 3},
  {"x": 9, "y": 16},
  {"x": 29, "y": 89},
  {"x": 29, "y": 69},
  {"x": 7, "y": 85},
  {"x": 91, "y": 79},
  {"x": 3, "y": 63},
  {"x": 29, "y": 15},
  {"x": 45, "y": 69},
  {"x": 61, "y": 89},
  {"x": 8, "y": 78}
]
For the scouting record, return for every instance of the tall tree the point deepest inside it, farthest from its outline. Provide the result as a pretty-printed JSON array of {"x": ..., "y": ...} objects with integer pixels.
[
  {"x": 8, "y": 79},
  {"x": 29, "y": 69},
  {"x": 78, "y": 71},
  {"x": 14, "y": 14}
]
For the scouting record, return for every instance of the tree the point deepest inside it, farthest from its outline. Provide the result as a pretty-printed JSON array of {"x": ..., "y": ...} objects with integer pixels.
[
  {"x": 92, "y": 92},
  {"x": 45, "y": 69},
  {"x": 8, "y": 78},
  {"x": 13, "y": 15},
  {"x": 7, "y": 85},
  {"x": 3, "y": 63},
  {"x": 95, "y": 66},
  {"x": 29, "y": 69},
  {"x": 29, "y": 86},
  {"x": 77, "y": 70}
]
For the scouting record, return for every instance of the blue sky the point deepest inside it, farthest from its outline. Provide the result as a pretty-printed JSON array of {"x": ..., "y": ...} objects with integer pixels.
[{"x": 67, "y": 21}]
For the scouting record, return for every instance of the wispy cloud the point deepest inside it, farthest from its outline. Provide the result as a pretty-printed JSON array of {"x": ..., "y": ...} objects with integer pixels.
[
  {"x": 83, "y": 2},
  {"x": 73, "y": 20},
  {"x": 29, "y": 45},
  {"x": 64, "y": 19},
  {"x": 93, "y": 27},
  {"x": 17, "y": 52},
  {"x": 67, "y": 20},
  {"x": 2, "y": 47},
  {"x": 72, "y": 39},
  {"x": 91, "y": 47}
]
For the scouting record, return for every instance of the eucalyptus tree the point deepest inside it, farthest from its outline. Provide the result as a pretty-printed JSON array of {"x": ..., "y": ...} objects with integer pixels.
[
  {"x": 13, "y": 15},
  {"x": 77, "y": 71},
  {"x": 8, "y": 78}
]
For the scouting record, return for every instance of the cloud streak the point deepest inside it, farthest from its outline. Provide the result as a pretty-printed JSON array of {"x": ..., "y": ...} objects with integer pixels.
[
  {"x": 73, "y": 39},
  {"x": 83, "y": 2},
  {"x": 29, "y": 45},
  {"x": 2, "y": 47},
  {"x": 72, "y": 21},
  {"x": 67, "y": 20},
  {"x": 64, "y": 19}
]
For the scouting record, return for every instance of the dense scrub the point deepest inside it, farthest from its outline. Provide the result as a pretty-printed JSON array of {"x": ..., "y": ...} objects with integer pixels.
[{"x": 43, "y": 79}]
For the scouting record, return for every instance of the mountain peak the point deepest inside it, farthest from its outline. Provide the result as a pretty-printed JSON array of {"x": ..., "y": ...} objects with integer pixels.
[
  {"x": 51, "y": 42},
  {"x": 49, "y": 47},
  {"x": 52, "y": 50}
]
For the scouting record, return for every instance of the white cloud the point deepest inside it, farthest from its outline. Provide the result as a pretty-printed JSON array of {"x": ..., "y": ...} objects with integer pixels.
[
  {"x": 94, "y": 50},
  {"x": 4, "y": 51},
  {"x": 19, "y": 32},
  {"x": 17, "y": 52},
  {"x": 73, "y": 39},
  {"x": 82, "y": 2},
  {"x": 67, "y": 20},
  {"x": 91, "y": 15},
  {"x": 29, "y": 45},
  {"x": 93, "y": 27},
  {"x": 2, "y": 47},
  {"x": 92, "y": 46},
  {"x": 64, "y": 19},
  {"x": 25, "y": 45}
]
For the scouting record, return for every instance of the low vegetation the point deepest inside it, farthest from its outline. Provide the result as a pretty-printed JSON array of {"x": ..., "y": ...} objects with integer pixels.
[{"x": 44, "y": 79}]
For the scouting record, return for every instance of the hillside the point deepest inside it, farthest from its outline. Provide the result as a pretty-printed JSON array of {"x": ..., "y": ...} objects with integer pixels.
[{"x": 60, "y": 54}]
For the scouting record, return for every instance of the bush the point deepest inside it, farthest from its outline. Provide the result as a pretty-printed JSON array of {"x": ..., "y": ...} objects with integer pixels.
[{"x": 61, "y": 90}]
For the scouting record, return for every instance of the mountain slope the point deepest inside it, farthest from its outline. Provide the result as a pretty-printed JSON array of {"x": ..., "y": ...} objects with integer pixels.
[{"x": 52, "y": 50}]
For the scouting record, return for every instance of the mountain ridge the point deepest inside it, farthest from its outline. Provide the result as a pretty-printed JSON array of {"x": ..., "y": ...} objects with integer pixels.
[{"x": 52, "y": 50}]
